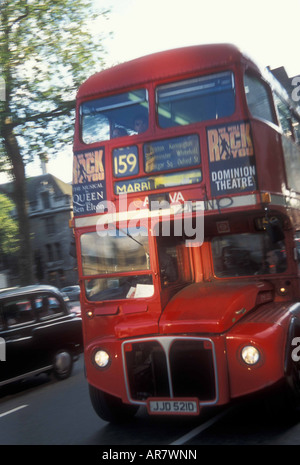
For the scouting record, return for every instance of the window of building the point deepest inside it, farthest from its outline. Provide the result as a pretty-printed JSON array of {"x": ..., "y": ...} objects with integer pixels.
[
  {"x": 258, "y": 98},
  {"x": 34, "y": 205},
  {"x": 58, "y": 251},
  {"x": 45, "y": 200},
  {"x": 50, "y": 225},
  {"x": 39, "y": 268},
  {"x": 49, "y": 252}
]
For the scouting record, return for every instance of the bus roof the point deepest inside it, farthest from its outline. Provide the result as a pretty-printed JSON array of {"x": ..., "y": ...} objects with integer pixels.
[{"x": 162, "y": 65}]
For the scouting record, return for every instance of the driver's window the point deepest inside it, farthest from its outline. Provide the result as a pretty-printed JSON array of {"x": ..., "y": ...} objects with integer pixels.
[{"x": 168, "y": 264}]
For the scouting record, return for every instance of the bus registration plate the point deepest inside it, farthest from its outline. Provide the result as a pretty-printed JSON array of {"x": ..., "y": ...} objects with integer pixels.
[{"x": 174, "y": 406}]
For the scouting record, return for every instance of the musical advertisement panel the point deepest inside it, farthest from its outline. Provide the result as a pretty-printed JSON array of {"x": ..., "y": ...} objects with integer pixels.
[
  {"x": 89, "y": 183},
  {"x": 231, "y": 159}
]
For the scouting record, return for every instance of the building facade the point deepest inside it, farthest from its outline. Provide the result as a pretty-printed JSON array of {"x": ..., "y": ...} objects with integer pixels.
[{"x": 50, "y": 209}]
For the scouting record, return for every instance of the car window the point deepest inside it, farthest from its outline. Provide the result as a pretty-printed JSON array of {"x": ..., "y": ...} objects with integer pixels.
[
  {"x": 48, "y": 307},
  {"x": 18, "y": 311}
]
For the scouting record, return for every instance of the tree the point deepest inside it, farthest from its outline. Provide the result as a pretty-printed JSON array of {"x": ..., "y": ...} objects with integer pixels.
[
  {"x": 46, "y": 50},
  {"x": 8, "y": 228}
]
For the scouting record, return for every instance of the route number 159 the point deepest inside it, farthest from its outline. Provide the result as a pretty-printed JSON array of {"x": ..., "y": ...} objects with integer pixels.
[{"x": 125, "y": 161}]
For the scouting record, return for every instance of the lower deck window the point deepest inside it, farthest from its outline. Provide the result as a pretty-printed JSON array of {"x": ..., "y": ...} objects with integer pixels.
[{"x": 247, "y": 254}]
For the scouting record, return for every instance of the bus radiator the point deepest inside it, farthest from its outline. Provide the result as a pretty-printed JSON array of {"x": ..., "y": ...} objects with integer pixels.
[{"x": 170, "y": 367}]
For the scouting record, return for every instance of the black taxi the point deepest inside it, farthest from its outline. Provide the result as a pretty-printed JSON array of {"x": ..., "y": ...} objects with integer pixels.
[{"x": 38, "y": 333}]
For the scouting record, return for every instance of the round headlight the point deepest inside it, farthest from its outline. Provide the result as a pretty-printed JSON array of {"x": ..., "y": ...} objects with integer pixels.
[
  {"x": 250, "y": 355},
  {"x": 101, "y": 358}
]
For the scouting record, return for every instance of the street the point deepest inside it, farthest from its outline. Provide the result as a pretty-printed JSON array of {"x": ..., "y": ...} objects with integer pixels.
[{"x": 42, "y": 411}]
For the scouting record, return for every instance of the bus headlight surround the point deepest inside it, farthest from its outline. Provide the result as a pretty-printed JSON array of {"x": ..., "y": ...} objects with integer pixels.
[
  {"x": 250, "y": 355},
  {"x": 101, "y": 358}
]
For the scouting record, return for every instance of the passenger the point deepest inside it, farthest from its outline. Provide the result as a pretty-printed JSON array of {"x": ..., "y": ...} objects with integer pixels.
[
  {"x": 275, "y": 261},
  {"x": 140, "y": 124}
]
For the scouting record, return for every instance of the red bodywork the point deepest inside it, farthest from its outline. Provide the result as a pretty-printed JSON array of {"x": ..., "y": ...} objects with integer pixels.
[
  {"x": 220, "y": 315},
  {"x": 230, "y": 315}
]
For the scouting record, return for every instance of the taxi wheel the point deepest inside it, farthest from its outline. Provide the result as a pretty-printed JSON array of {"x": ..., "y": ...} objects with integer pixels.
[
  {"x": 62, "y": 364},
  {"x": 111, "y": 408}
]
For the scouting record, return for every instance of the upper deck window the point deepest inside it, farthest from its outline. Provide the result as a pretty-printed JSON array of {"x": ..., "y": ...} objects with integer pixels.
[
  {"x": 193, "y": 100},
  {"x": 258, "y": 98},
  {"x": 119, "y": 115}
]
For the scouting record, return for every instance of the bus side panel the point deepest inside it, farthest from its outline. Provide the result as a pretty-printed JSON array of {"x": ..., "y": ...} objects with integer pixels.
[{"x": 268, "y": 155}]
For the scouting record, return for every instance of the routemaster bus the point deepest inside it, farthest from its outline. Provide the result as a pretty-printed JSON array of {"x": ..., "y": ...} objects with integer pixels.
[{"x": 187, "y": 227}]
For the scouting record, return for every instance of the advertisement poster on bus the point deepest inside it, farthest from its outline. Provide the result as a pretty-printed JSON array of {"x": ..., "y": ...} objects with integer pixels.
[
  {"x": 231, "y": 159},
  {"x": 89, "y": 184}
]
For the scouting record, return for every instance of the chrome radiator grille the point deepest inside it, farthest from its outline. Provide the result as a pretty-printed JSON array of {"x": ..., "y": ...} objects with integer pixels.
[{"x": 170, "y": 367}]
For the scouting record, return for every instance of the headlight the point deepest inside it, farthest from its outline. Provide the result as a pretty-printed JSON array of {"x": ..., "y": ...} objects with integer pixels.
[
  {"x": 101, "y": 358},
  {"x": 250, "y": 355}
]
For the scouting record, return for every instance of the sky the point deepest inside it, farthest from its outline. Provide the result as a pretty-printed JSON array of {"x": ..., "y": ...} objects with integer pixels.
[{"x": 266, "y": 30}]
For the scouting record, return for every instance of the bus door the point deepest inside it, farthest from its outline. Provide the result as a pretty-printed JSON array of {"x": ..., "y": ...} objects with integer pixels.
[{"x": 174, "y": 260}]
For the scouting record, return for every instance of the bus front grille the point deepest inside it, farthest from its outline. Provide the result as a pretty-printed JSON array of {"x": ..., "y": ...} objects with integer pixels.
[{"x": 170, "y": 367}]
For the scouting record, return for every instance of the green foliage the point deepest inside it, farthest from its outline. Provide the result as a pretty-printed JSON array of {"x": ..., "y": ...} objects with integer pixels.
[
  {"x": 46, "y": 50},
  {"x": 8, "y": 227}
]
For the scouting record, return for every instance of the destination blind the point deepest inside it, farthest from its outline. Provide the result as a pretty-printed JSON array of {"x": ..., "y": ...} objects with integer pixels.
[{"x": 159, "y": 157}]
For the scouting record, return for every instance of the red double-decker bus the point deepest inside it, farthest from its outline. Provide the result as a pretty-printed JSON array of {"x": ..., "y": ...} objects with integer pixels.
[{"x": 187, "y": 227}]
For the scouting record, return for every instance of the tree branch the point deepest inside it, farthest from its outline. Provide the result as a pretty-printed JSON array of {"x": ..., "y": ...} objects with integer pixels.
[
  {"x": 64, "y": 109},
  {"x": 17, "y": 20}
]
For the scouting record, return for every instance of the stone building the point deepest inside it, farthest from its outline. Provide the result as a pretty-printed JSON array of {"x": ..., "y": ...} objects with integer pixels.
[{"x": 50, "y": 209}]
